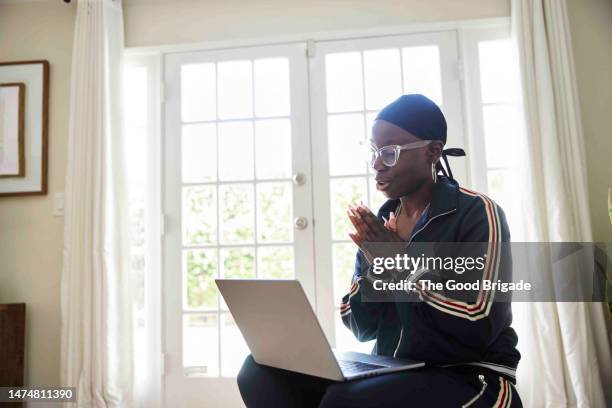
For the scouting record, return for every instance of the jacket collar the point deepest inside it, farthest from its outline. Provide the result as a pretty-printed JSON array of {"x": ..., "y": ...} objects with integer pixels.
[{"x": 445, "y": 196}]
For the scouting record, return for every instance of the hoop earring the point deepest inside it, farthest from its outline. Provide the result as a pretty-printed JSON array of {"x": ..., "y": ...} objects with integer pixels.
[{"x": 434, "y": 173}]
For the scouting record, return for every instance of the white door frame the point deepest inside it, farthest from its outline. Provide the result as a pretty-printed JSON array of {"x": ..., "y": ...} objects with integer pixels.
[{"x": 219, "y": 391}]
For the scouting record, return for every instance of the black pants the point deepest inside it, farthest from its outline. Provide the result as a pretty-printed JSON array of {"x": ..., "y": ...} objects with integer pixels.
[{"x": 263, "y": 386}]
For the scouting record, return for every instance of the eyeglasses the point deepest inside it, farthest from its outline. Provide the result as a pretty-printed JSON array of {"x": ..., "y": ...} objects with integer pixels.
[{"x": 390, "y": 154}]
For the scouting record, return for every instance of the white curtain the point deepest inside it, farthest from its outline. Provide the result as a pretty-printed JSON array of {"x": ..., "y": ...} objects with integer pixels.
[
  {"x": 565, "y": 346},
  {"x": 96, "y": 296}
]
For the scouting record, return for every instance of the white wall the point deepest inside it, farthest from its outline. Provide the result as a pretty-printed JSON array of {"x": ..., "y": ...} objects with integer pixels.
[
  {"x": 155, "y": 22},
  {"x": 591, "y": 29},
  {"x": 31, "y": 238}
]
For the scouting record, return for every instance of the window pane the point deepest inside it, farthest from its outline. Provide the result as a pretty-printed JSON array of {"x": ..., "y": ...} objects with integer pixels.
[
  {"x": 236, "y": 160},
  {"x": 273, "y": 148},
  {"x": 383, "y": 78},
  {"x": 272, "y": 87},
  {"x": 345, "y": 133},
  {"x": 498, "y": 184},
  {"x": 198, "y": 92},
  {"x": 237, "y": 213},
  {"x": 201, "y": 345},
  {"x": 343, "y": 192},
  {"x": 345, "y": 340},
  {"x": 199, "y": 153},
  {"x": 421, "y": 67},
  {"x": 500, "y": 128},
  {"x": 201, "y": 271},
  {"x": 274, "y": 210},
  {"x": 275, "y": 262},
  {"x": 343, "y": 82},
  {"x": 503, "y": 186},
  {"x": 237, "y": 263},
  {"x": 344, "y": 267},
  {"x": 498, "y": 83},
  {"x": 235, "y": 89},
  {"x": 370, "y": 117},
  {"x": 199, "y": 215},
  {"x": 234, "y": 349}
]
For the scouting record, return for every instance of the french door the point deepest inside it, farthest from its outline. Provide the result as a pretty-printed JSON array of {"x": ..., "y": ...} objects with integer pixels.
[
  {"x": 238, "y": 203},
  {"x": 351, "y": 81},
  {"x": 261, "y": 157}
]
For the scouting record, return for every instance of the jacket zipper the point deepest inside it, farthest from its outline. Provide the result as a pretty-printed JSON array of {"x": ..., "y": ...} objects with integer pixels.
[
  {"x": 427, "y": 223},
  {"x": 482, "y": 390},
  {"x": 409, "y": 241}
]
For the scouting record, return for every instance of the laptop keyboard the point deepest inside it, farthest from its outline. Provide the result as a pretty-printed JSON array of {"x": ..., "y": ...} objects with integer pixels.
[{"x": 350, "y": 366}]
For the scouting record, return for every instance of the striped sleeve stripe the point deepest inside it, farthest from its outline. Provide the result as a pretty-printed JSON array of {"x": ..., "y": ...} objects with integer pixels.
[
  {"x": 505, "y": 394},
  {"x": 509, "y": 385},
  {"x": 345, "y": 307},
  {"x": 482, "y": 306},
  {"x": 345, "y": 312},
  {"x": 354, "y": 287}
]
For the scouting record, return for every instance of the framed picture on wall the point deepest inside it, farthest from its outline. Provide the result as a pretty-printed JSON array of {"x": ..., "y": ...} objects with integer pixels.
[{"x": 24, "y": 116}]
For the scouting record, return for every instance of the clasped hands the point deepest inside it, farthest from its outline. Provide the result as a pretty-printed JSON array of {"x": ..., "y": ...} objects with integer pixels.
[{"x": 369, "y": 230}]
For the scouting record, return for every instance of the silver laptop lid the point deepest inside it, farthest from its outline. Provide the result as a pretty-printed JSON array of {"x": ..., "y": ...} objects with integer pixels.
[{"x": 280, "y": 326}]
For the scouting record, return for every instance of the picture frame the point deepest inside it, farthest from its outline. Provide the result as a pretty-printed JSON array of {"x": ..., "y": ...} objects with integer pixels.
[{"x": 24, "y": 117}]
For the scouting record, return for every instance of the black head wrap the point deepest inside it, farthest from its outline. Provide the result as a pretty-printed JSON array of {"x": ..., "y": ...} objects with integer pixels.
[{"x": 420, "y": 116}]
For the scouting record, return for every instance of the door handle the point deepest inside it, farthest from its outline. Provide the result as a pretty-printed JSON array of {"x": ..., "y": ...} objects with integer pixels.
[
  {"x": 299, "y": 179},
  {"x": 300, "y": 223}
]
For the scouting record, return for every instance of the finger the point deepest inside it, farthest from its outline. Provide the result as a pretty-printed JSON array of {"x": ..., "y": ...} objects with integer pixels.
[
  {"x": 392, "y": 222},
  {"x": 371, "y": 221},
  {"x": 371, "y": 224},
  {"x": 367, "y": 209},
  {"x": 365, "y": 230},
  {"x": 357, "y": 211},
  {"x": 353, "y": 210},
  {"x": 366, "y": 227},
  {"x": 356, "y": 222},
  {"x": 366, "y": 214},
  {"x": 356, "y": 239},
  {"x": 391, "y": 226},
  {"x": 371, "y": 228}
]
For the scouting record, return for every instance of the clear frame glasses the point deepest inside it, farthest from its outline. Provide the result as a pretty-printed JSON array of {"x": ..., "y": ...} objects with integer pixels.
[{"x": 390, "y": 154}]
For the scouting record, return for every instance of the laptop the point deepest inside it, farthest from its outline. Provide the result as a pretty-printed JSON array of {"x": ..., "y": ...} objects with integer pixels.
[{"x": 282, "y": 331}]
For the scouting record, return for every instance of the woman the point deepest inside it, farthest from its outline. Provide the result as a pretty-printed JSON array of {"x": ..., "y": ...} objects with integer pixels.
[{"x": 469, "y": 348}]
